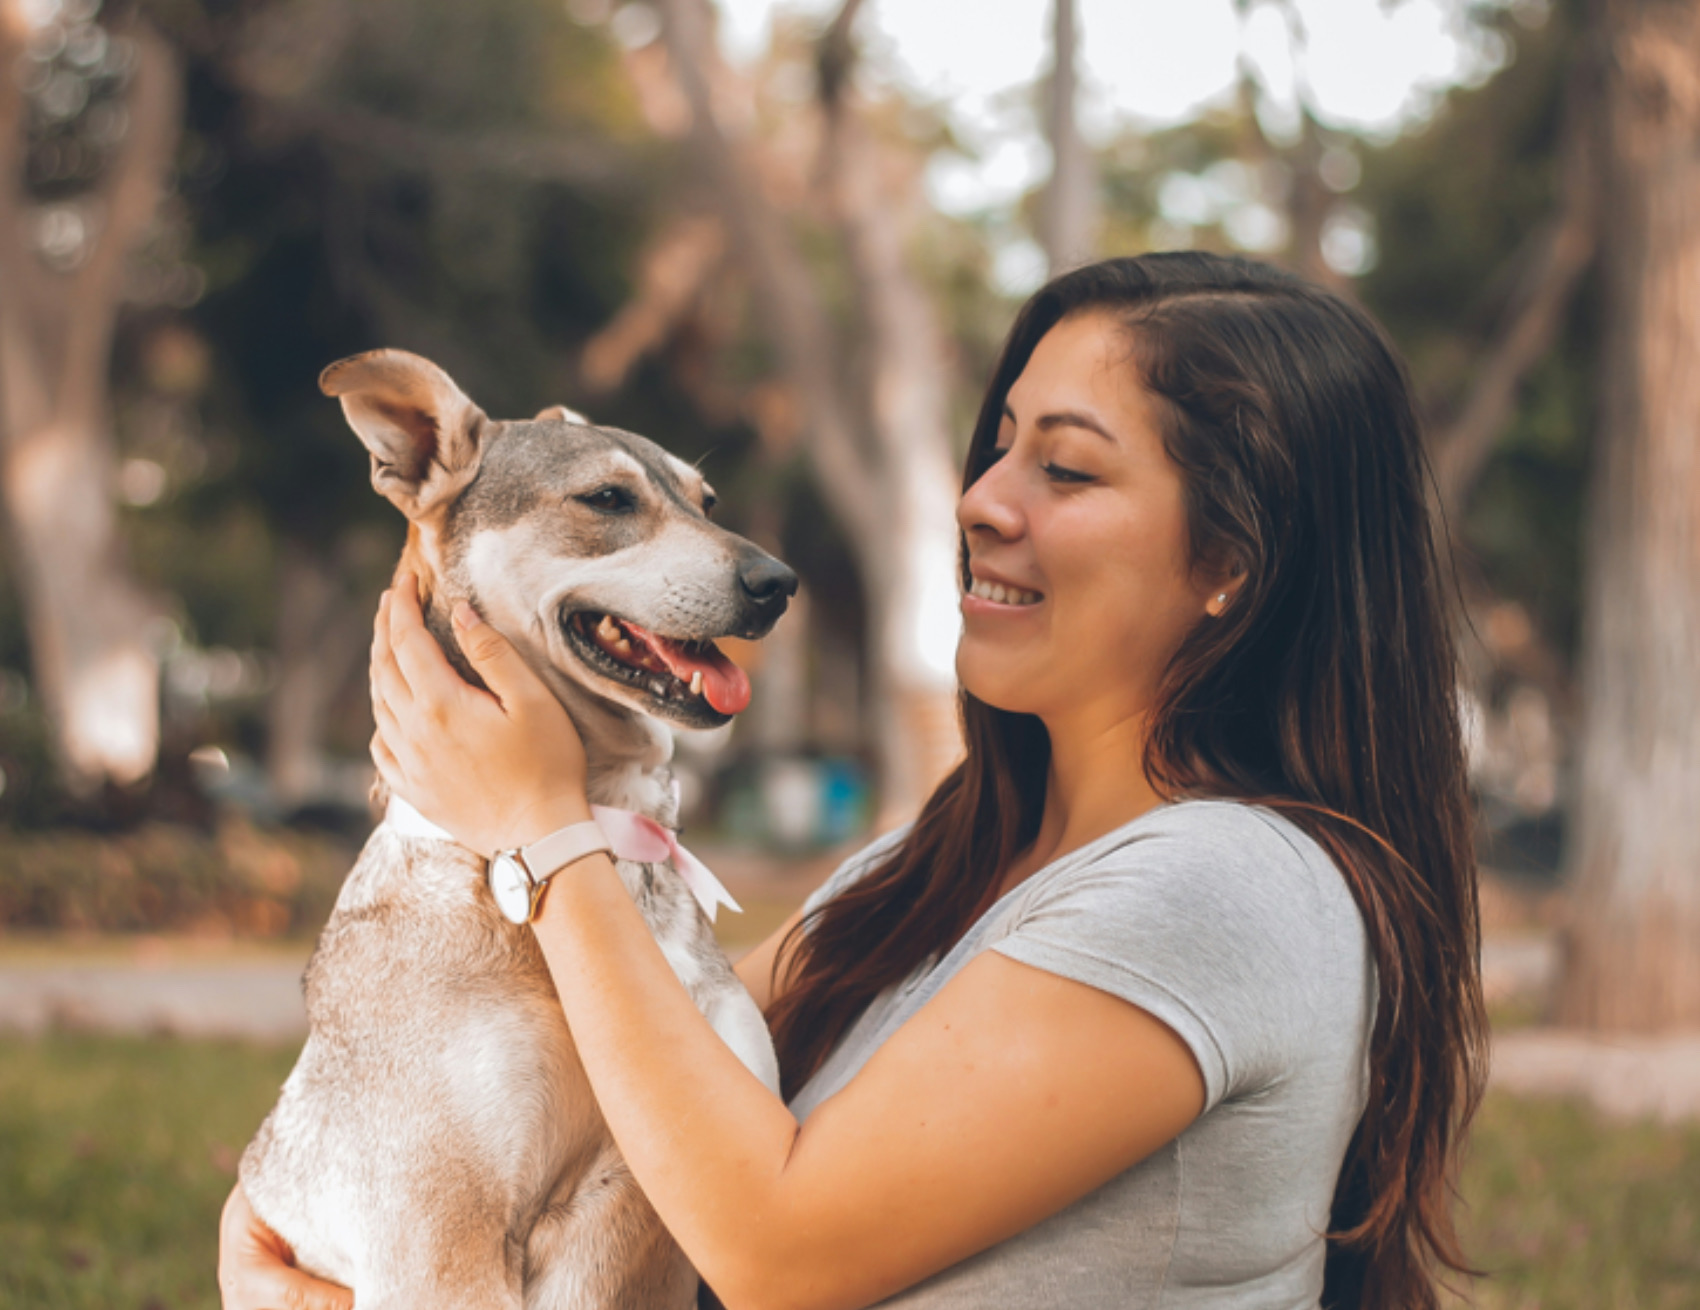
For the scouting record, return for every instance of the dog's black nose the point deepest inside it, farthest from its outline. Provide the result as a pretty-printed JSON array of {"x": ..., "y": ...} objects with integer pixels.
[{"x": 766, "y": 581}]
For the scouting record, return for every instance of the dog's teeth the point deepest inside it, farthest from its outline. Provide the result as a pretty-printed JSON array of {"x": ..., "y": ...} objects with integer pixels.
[
  {"x": 606, "y": 629},
  {"x": 696, "y": 683}
]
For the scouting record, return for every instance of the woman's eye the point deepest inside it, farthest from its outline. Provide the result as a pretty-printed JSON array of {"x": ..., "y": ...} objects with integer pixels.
[
  {"x": 1057, "y": 473},
  {"x": 610, "y": 500}
]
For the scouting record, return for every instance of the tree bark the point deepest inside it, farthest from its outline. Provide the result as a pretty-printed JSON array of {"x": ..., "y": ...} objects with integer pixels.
[
  {"x": 1633, "y": 949},
  {"x": 1069, "y": 207},
  {"x": 92, "y": 665},
  {"x": 323, "y": 631},
  {"x": 909, "y": 565}
]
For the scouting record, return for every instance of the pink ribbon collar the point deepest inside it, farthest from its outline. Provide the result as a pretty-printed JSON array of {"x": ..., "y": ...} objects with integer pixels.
[
  {"x": 635, "y": 837},
  {"x": 640, "y": 838}
]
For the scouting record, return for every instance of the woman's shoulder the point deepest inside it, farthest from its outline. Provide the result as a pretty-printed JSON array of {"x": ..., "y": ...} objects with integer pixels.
[
  {"x": 1215, "y": 858},
  {"x": 1221, "y": 918},
  {"x": 1200, "y": 829}
]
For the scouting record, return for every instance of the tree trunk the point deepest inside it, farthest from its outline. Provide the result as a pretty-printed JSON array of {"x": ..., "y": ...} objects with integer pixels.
[
  {"x": 1633, "y": 950},
  {"x": 323, "y": 631},
  {"x": 92, "y": 664},
  {"x": 1069, "y": 208},
  {"x": 910, "y": 561},
  {"x": 882, "y": 459}
]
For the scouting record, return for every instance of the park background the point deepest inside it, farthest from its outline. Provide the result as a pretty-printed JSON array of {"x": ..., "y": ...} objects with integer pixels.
[{"x": 785, "y": 242}]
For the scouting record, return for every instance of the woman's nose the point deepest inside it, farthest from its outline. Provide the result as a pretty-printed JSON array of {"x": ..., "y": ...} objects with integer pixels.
[{"x": 992, "y": 504}]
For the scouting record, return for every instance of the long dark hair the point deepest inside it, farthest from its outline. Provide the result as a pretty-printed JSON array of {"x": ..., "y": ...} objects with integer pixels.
[{"x": 1327, "y": 690}]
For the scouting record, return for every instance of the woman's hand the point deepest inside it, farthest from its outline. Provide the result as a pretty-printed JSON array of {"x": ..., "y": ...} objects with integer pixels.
[
  {"x": 256, "y": 1268},
  {"x": 497, "y": 768}
]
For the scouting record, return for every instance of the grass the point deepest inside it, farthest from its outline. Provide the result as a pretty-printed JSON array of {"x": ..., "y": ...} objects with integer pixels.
[
  {"x": 115, "y": 1155},
  {"x": 1567, "y": 1212}
]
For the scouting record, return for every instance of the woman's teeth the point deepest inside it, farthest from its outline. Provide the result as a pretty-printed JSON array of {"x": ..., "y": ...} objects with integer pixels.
[{"x": 1002, "y": 595}]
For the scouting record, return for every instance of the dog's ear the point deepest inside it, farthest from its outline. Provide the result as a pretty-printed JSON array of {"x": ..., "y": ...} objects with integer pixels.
[
  {"x": 425, "y": 437},
  {"x": 562, "y": 414}
]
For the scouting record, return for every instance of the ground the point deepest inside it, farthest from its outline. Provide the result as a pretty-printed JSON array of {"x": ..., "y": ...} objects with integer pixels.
[{"x": 116, "y": 1153}]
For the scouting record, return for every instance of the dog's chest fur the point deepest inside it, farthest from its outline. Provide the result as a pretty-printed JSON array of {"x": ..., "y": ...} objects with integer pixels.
[{"x": 439, "y": 1091}]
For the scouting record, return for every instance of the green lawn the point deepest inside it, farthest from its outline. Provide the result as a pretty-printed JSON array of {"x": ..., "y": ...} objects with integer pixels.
[
  {"x": 115, "y": 1156},
  {"x": 1567, "y": 1211}
]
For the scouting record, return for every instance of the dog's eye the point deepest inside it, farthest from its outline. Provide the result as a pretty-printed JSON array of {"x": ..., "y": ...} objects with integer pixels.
[
  {"x": 709, "y": 501},
  {"x": 610, "y": 500}
]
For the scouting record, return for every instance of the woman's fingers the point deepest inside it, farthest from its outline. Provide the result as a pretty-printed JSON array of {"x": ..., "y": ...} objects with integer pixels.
[
  {"x": 387, "y": 678},
  {"x": 495, "y": 767},
  {"x": 384, "y": 760},
  {"x": 508, "y": 677},
  {"x": 431, "y": 681},
  {"x": 283, "y": 1288},
  {"x": 255, "y": 1270}
]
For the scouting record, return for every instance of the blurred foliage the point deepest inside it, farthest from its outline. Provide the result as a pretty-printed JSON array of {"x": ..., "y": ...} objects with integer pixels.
[
  {"x": 237, "y": 880},
  {"x": 480, "y": 184},
  {"x": 1451, "y": 206},
  {"x": 1455, "y": 207}
]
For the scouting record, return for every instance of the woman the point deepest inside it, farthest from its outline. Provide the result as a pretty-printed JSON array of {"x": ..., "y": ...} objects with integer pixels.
[{"x": 1176, "y": 973}]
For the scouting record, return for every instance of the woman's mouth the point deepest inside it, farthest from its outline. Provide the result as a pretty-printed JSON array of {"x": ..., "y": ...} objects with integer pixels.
[{"x": 999, "y": 594}]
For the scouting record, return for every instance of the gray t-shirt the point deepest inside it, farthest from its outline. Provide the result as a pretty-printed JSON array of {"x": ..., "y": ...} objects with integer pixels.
[{"x": 1236, "y": 930}]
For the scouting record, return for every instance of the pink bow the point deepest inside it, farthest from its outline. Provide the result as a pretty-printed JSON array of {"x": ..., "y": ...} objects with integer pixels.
[{"x": 641, "y": 839}]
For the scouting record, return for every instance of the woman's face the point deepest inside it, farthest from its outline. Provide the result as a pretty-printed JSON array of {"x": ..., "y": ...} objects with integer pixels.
[{"x": 1077, "y": 539}]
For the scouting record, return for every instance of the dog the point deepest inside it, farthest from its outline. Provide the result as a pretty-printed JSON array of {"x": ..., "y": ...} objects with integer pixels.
[{"x": 437, "y": 1143}]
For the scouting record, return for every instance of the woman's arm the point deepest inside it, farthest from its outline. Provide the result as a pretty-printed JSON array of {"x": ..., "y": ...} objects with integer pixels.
[{"x": 1011, "y": 1094}]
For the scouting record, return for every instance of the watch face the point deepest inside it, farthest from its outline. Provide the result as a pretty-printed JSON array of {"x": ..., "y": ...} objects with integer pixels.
[{"x": 511, "y": 886}]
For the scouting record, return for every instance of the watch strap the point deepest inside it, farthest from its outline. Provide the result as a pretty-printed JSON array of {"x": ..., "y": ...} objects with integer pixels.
[{"x": 547, "y": 856}]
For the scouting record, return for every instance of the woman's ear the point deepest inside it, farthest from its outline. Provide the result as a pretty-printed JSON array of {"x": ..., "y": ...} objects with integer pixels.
[
  {"x": 1223, "y": 585},
  {"x": 425, "y": 437}
]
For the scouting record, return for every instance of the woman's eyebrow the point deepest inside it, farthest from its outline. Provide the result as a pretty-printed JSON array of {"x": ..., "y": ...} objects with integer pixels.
[{"x": 1067, "y": 418}]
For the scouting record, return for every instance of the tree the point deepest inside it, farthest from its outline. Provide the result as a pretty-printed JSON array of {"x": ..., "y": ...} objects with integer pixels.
[
  {"x": 77, "y": 190},
  {"x": 398, "y": 172},
  {"x": 876, "y": 407},
  {"x": 1068, "y": 209},
  {"x": 1633, "y": 947}
]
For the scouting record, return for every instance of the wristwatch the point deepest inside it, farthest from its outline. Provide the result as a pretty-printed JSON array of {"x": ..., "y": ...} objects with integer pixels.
[{"x": 519, "y": 877}]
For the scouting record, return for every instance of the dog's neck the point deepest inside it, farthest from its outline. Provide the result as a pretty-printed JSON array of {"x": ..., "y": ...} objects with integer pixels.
[{"x": 626, "y": 754}]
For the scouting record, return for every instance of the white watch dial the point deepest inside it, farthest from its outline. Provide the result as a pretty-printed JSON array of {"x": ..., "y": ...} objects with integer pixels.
[{"x": 511, "y": 886}]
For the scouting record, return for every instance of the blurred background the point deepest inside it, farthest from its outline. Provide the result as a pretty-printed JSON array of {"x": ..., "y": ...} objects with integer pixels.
[{"x": 784, "y": 241}]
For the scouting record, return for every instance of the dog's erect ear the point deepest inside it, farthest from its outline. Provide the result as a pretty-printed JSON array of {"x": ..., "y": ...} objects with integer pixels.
[
  {"x": 563, "y": 414},
  {"x": 425, "y": 437}
]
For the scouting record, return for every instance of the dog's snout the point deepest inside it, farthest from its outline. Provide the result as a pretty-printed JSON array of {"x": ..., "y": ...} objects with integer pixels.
[{"x": 766, "y": 581}]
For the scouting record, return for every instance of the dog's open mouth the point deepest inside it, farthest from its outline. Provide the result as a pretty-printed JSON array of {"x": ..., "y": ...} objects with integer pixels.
[{"x": 673, "y": 671}]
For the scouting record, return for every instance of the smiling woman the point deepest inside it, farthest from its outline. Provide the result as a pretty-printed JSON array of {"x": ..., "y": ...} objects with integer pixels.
[
  {"x": 1198, "y": 568},
  {"x": 1169, "y": 995}
]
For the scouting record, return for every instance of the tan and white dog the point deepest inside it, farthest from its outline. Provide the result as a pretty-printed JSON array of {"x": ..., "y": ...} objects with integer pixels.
[{"x": 437, "y": 1144}]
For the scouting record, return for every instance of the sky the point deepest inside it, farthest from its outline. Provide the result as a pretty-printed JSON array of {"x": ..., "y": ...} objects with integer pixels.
[{"x": 1370, "y": 65}]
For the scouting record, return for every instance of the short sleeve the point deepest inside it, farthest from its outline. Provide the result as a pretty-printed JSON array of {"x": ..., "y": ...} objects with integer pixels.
[{"x": 1214, "y": 918}]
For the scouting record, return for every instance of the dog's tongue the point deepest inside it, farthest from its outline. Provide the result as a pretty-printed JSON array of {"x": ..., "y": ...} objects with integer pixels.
[{"x": 724, "y": 685}]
